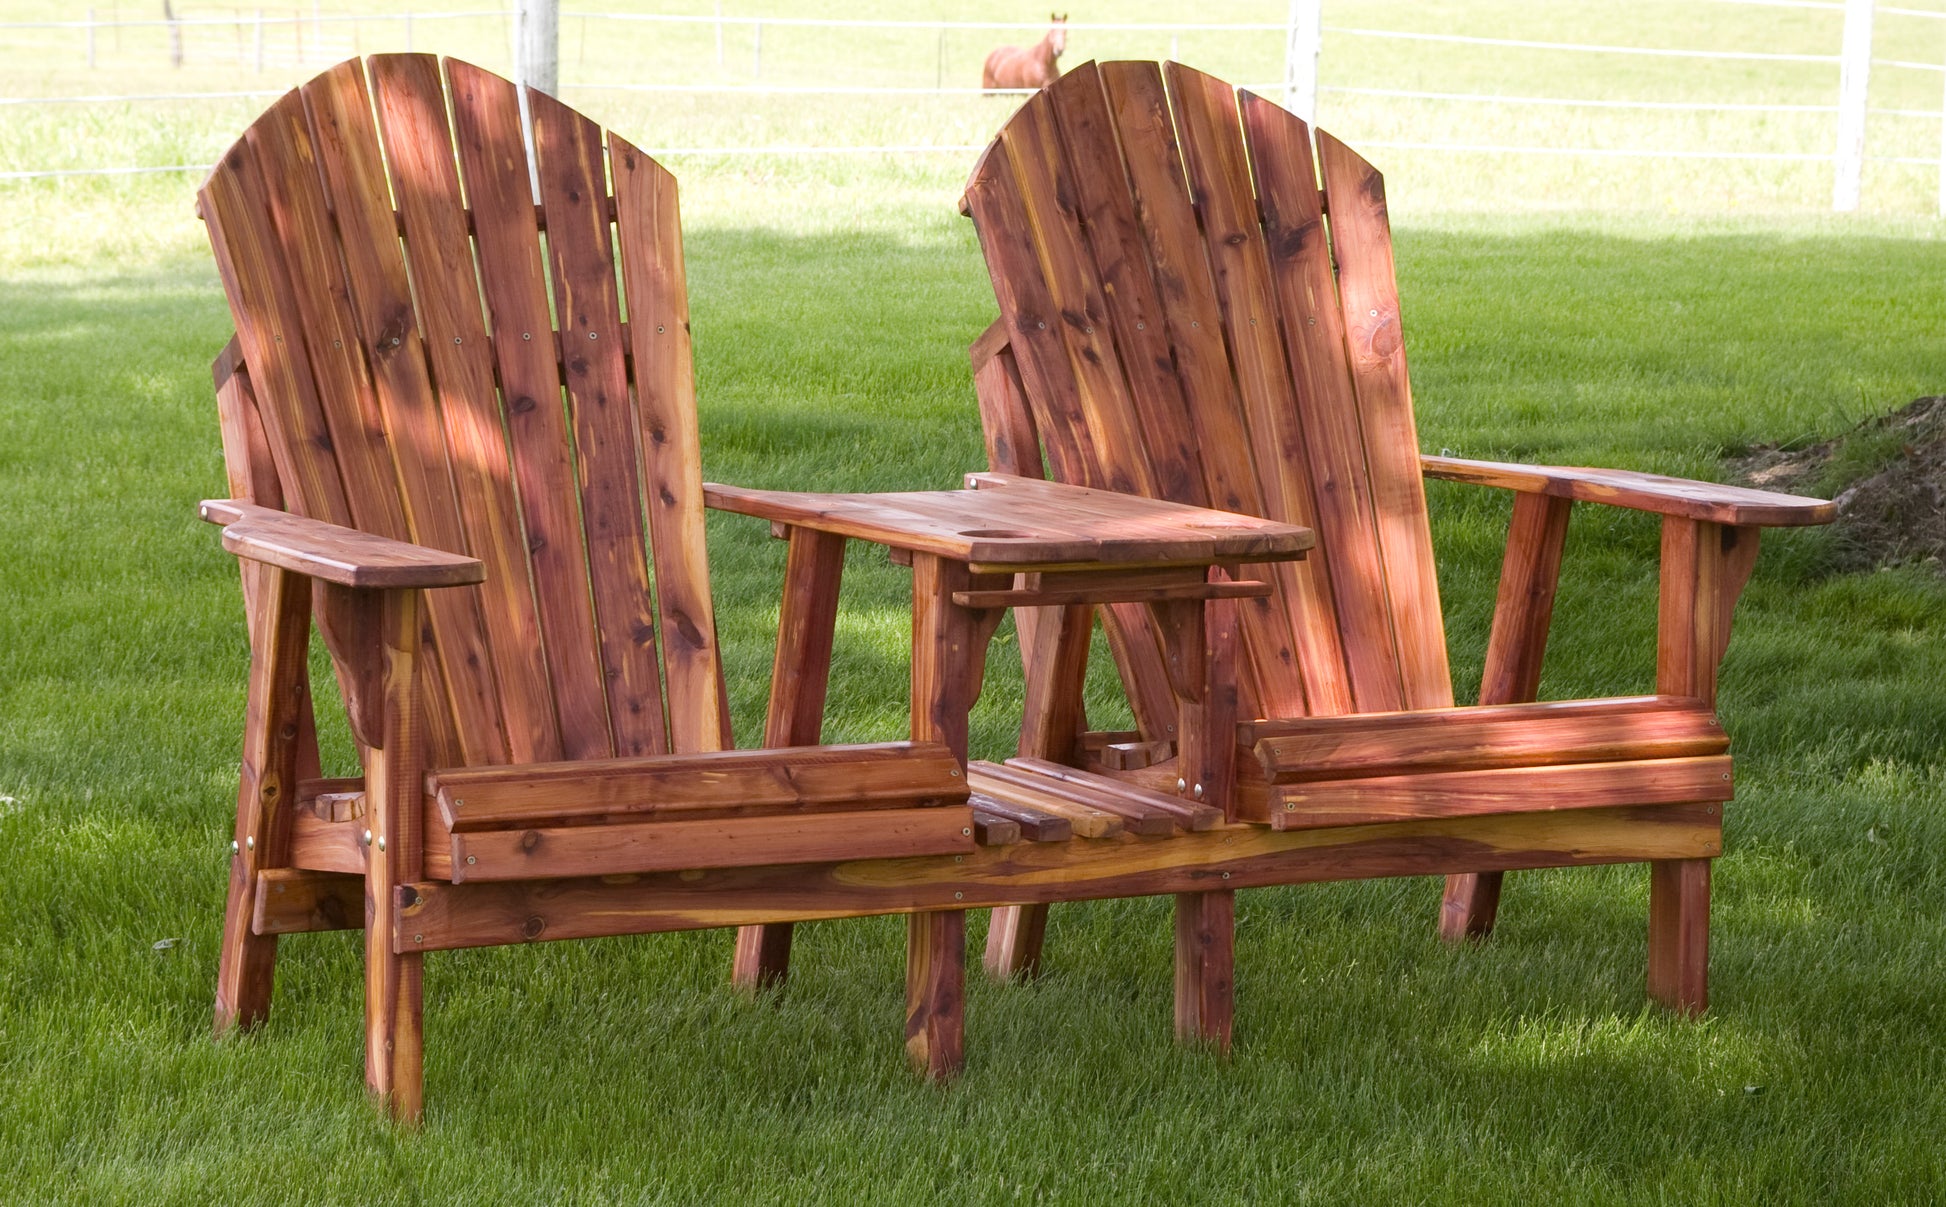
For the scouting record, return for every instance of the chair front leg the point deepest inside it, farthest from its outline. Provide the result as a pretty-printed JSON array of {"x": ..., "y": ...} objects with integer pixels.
[
  {"x": 799, "y": 677},
  {"x": 395, "y": 789},
  {"x": 275, "y": 732},
  {"x": 1529, "y": 574},
  {"x": 1704, "y": 569}
]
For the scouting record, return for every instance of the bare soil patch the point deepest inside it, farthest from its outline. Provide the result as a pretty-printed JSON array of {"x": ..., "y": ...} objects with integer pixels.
[{"x": 1887, "y": 475}]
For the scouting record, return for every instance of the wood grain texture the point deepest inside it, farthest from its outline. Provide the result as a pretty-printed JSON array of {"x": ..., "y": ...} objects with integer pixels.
[
  {"x": 992, "y": 782},
  {"x": 678, "y": 844},
  {"x": 1206, "y": 967},
  {"x": 1514, "y": 735},
  {"x": 449, "y": 915},
  {"x": 278, "y": 694},
  {"x": 526, "y": 353},
  {"x": 1025, "y": 523},
  {"x": 1502, "y": 790},
  {"x": 290, "y": 901},
  {"x": 1368, "y": 294},
  {"x": 394, "y": 770},
  {"x": 1704, "y": 569},
  {"x": 725, "y": 783},
  {"x": 333, "y": 554},
  {"x": 648, "y": 223},
  {"x": 1681, "y": 497},
  {"x": 1679, "y": 904}
]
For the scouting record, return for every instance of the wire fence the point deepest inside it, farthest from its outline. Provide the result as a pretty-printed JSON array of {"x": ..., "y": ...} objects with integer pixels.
[{"x": 1831, "y": 108}]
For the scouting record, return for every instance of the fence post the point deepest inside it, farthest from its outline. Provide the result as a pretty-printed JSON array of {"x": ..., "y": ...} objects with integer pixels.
[
  {"x": 939, "y": 75},
  {"x": 1306, "y": 35},
  {"x": 91, "y": 39},
  {"x": 408, "y": 31},
  {"x": 719, "y": 33},
  {"x": 757, "y": 52},
  {"x": 537, "y": 42},
  {"x": 260, "y": 41},
  {"x": 175, "y": 34},
  {"x": 1854, "y": 72}
]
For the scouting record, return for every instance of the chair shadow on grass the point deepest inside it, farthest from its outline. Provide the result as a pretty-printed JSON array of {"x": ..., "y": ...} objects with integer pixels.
[{"x": 838, "y": 363}]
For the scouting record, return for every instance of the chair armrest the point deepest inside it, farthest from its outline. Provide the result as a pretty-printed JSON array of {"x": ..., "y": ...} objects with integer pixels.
[
  {"x": 334, "y": 554},
  {"x": 1708, "y": 501}
]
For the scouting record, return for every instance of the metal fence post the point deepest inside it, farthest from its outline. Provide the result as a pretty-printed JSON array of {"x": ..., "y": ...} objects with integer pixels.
[
  {"x": 91, "y": 39},
  {"x": 1305, "y": 39},
  {"x": 1854, "y": 74},
  {"x": 537, "y": 42},
  {"x": 757, "y": 52}
]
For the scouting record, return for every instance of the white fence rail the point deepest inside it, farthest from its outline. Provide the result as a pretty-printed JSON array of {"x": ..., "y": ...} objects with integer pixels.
[{"x": 265, "y": 40}]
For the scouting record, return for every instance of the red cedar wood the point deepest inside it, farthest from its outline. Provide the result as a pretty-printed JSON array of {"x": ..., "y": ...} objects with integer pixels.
[
  {"x": 649, "y": 225},
  {"x": 394, "y": 771},
  {"x": 1361, "y": 240},
  {"x": 513, "y": 281},
  {"x": 472, "y": 915},
  {"x": 1643, "y": 492},
  {"x": 581, "y": 262},
  {"x": 347, "y": 148},
  {"x": 1187, "y": 294},
  {"x": 1233, "y": 239}
]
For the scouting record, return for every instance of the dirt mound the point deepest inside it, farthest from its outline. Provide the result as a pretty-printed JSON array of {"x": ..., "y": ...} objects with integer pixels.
[{"x": 1887, "y": 475}]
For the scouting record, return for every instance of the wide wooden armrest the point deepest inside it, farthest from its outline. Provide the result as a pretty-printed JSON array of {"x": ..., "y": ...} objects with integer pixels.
[
  {"x": 1682, "y": 497},
  {"x": 344, "y": 556}
]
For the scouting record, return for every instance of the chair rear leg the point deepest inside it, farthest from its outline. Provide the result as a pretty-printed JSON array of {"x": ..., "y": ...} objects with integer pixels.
[
  {"x": 279, "y": 742},
  {"x": 1679, "y": 915},
  {"x": 1014, "y": 938},
  {"x": 763, "y": 956},
  {"x": 1205, "y": 967},
  {"x": 1471, "y": 903}
]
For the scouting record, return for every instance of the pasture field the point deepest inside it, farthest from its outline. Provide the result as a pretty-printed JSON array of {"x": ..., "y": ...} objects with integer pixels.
[{"x": 1655, "y": 315}]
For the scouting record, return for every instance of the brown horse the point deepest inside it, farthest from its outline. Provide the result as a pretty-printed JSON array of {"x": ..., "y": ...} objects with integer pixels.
[{"x": 1028, "y": 66}]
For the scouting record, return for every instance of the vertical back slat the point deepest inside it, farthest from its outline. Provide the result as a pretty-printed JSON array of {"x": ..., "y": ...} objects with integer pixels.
[
  {"x": 1034, "y": 333},
  {"x": 649, "y": 224},
  {"x": 355, "y": 179},
  {"x": 1361, "y": 238},
  {"x": 1313, "y": 327},
  {"x": 419, "y": 151},
  {"x": 493, "y": 165},
  {"x": 1207, "y": 124},
  {"x": 587, "y": 305},
  {"x": 1271, "y": 680},
  {"x": 307, "y": 236}
]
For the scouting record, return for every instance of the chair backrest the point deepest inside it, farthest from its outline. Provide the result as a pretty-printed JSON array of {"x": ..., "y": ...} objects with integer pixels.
[
  {"x": 1195, "y": 306},
  {"x": 437, "y": 358}
]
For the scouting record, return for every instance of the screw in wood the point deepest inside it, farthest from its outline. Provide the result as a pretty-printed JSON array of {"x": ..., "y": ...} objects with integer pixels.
[
  {"x": 472, "y": 859},
  {"x": 233, "y": 847},
  {"x": 249, "y": 844},
  {"x": 368, "y": 838},
  {"x": 381, "y": 842}
]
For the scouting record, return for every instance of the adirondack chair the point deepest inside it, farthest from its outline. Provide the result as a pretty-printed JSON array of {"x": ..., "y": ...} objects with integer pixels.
[
  {"x": 513, "y": 591},
  {"x": 1196, "y": 306}
]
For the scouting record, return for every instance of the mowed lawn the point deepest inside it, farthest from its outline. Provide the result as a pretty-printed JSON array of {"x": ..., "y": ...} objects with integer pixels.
[{"x": 832, "y": 306}]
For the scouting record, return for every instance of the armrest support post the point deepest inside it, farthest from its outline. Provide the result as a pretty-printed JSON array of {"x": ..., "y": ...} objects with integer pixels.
[
  {"x": 1704, "y": 568},
  {"x": 1529, "y": 574}
]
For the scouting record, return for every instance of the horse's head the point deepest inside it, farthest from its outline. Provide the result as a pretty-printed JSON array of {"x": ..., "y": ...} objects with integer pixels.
[{"x": 1057, "y": 37}]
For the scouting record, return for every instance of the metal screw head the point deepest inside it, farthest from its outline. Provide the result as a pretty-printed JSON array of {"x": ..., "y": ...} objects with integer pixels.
[
  {"x": 527, "y": 335},
  {"x": 368, "y": 838},
  {"x": 966, "y": 831},
  {"x": 1374, "y": 314},
  {"x": 959, "y": 896},
  {"x": 1290, "y": 806},
  {"x": 1226, "y": 875},
  {"x": 459, "y": 804},
  {"x": 592, "y": 335},
  {"x": 1198, "y": 790},
  {"x": 395, "y": 341},
  {"x": 954, "y": 773},
  {"x": 381, "y": 842},
  {"x": 472, "y": 859},
  {"x": 1181, "y": 784},
  {"x": 418, "y": 938},
  {"x": 250, "y": 843},
  {"x": 233, "y": 847},
  {"x": 456, "y": 339},
  {"x": 658, "y": 328}
]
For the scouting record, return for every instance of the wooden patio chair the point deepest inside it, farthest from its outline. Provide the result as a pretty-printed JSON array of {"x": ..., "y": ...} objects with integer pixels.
[
  {"x": 513, "y": 590},
  {"x": 1195, "y": 305}
]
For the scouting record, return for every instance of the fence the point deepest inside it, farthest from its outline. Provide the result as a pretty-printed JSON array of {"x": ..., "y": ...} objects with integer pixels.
[{"x": 267, "y": 41}]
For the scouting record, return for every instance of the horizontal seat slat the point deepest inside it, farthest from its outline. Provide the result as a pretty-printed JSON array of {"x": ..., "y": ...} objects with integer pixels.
[
  {"x": 1105, "y": 792},
  {"x": 729, "y": 783},
  {"x": 670, "y": 846},
  {"x": 1001, "y": 783},
  {"x": 1500, "y": 790},
  {"x": 1458, "y": 739},
  {"x": 1035, "y": 826}
]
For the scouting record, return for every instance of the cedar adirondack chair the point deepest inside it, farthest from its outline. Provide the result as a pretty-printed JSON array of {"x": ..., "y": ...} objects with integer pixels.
[
  {"x": 1194, "y": 306},
  {"x": 513, "y": 590}
]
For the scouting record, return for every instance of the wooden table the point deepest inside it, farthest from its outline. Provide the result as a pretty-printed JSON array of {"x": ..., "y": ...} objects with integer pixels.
[{"x": 1008, "y": 542}]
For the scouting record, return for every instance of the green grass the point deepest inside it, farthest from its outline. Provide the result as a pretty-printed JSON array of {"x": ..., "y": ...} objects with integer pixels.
[{"x": 832, "y": 305}]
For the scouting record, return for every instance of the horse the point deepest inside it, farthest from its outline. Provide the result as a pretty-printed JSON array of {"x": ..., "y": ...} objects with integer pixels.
[{"x": 1028, "y": 66}]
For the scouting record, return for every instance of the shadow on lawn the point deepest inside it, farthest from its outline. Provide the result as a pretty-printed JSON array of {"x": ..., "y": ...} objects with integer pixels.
[{"x": 838, "y": 362}]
